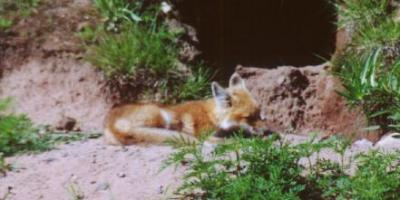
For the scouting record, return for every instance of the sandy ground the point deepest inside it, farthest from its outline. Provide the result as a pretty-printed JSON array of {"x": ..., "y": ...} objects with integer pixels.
[
  {"x": 99, "y": 171},
  {"x": 95, "y": 170},
  {"x": 52, "y": 89}
]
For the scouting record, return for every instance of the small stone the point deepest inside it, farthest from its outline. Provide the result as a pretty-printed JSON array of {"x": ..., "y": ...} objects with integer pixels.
[
  {"x": 102, "y": 186},
  {"x": 93, "y": 182},
  {"x": 67, "y": 124},
  {"x": 49, "y": 160},
  {"x": 73, "y": 178},
  {"x": 121, "y": 175}
]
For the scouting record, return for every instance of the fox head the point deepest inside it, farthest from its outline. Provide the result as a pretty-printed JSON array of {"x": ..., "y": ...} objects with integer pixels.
[{"x": 235, "y": 107}]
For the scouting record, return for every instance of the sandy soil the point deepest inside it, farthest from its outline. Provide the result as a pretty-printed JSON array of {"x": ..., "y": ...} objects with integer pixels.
[
  {"x": 52, "y": 89},
  {"x": 99, "y": 171},
  {"x": 95, "y": 170},
  {"x": 41, "y": 67}
]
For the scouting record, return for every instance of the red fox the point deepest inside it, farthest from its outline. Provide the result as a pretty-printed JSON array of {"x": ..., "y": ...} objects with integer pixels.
[{"x": 229, "y": 109}]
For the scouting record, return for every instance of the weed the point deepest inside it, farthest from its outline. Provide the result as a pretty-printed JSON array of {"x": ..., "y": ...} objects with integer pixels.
[
  {"x": 116, "y": 11},
  {"x": 19, "y": 135},
  {"x": 5, "y": 24},
  {"x": 75, "y": 192},
  {"x": 374, "y": 86},
  {"x": 138, "y": 52},
  {"x": 242, "y": 169},
  {"x": 195, "y": 86},
  {"x": 4, "y": 167},
  {"x": 134, "y": 49},
  {"x": 17, "y": 132},
  {"x": 369, "y": 67},
  {"x": 90, "y": 35},
  {"x": 270, "y": 169}
]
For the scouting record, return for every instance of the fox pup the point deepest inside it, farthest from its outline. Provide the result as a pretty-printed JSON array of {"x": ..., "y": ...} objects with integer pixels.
[{"x": 229, "y": 109}]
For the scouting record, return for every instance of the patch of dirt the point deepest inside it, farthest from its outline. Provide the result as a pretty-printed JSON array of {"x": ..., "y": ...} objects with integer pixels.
[
  {"x": 48, "y": 32},
  {"x": 50, "y": 90},
  {"x": 97, "y": 170},
  {"x": 100, "y": 172},
  {"x": 42, "y": 67},
  {"x": 304, "y": 100}
]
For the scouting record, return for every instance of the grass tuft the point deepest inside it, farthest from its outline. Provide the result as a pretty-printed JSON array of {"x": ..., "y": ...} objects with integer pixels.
[
  {"x": 133, "y": 50},
  {"x": 138, "y": 53}
]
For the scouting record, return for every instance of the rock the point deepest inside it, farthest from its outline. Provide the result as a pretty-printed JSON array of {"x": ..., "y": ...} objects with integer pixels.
[
  {"x": 121, "y": 175},
  {"x": 49, "y": 160},
  {"x": 67, "y": 124},
  {"x": 102, "y": 186},
  {"x": 362, "y": 144},
  {"x": 304, "y": 100},
  {"x": 389, "y": 142}
]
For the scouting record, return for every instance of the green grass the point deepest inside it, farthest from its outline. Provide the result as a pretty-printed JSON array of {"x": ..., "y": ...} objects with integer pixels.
[
  {"x": 10, "y": 10},
  {"x": 369, "y": 66},
  {"x": 132, "y": 50},
  {"x": 196, "y": 86},
  {"x": 5, "y": 24},
  {"x": 386, "y": 33},
  {"x": 17, "y": 132},
  {"x": 270, "y": 169},
  {"x": 371, "y": 22},
  {"x": 89, "y": 35},
  {"x": 136, "y": 43},
  {"x": 116, "y": 11}
]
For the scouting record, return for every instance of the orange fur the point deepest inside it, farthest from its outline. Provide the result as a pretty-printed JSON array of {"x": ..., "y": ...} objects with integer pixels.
[{"x": 137, "y": 123}]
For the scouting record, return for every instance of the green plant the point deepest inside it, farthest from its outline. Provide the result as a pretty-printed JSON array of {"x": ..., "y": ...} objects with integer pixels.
[
  {"x": 196, "y": 86},
  {"x": 373, "y": 85},
  {"x": 116, "y": 11},
  {"x": 17, "y": 132},
  {"x": 17, "y": 7},
  {"x": 268, "y": 168},
  {"x": 369, "y": 66},
  {"x": 5, "y": 24},
  {"x": 141, "y": 54},
  {"x": 19, "y": 135},
  {"x": 4, "y": 167},
  {"x": 360, "y": 13},
  {"x": 89, "y": 34},
  {"x": 386, "y": 33},
  {"x": 75, "y": 192},
  {"x": 241, "y": 169},
  {"x": 135, "y": 49}
]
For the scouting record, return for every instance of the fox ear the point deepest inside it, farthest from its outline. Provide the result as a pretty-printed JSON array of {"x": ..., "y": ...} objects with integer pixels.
[
  {"x": 220, "y": 95},
  {"x": 236, "y": 81}
]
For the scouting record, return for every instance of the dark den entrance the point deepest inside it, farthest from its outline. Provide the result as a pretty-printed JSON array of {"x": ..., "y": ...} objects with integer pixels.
[{"x": 261, "y": 33}]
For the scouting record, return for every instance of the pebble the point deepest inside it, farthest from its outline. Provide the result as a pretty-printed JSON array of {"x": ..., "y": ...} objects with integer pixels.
[
  {"x": 49, "y": 160},
  {"x": 102, "y": 186},
  {"x": 121, "y": 175}
]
